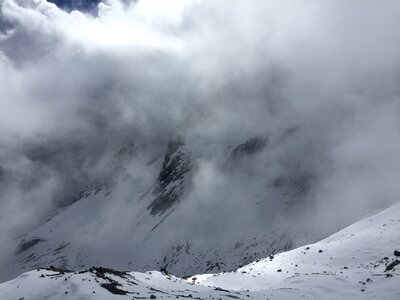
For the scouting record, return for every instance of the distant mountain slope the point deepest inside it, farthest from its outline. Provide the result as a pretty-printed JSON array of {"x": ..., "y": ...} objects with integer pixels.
[
  {"x": 162, "y": 210},
  {"x": 358, "y": 262}
]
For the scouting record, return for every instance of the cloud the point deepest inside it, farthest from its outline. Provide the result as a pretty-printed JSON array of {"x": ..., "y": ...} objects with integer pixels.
[{"x": 318, "y": 79}]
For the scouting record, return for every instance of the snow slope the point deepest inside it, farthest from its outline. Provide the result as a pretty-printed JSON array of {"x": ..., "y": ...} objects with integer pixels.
[
  {"x": 355, "y": 263},
  {"x": 152, "y": 211}
]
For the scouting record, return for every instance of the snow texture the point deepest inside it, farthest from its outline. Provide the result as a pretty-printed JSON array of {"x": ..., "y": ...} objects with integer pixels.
[{"x": 358, "y": 262}]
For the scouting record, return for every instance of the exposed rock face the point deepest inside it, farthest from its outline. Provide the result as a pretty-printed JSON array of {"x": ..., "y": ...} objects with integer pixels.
[
  {"x": 251, "y": 146},
  {"x": 297, "y": 184},
  {"x": 170, "y": 184},
  {"x": 70, "y": 5},
  {"x": 156, "y": 202},
  {"x": 392, "y": 265},
  {"x": 25, "y": 245}
]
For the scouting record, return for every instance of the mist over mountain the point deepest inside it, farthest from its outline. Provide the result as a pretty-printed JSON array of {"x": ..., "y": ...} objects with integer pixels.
[
  {"x": 150, "y": 133},
  {"x": 86, "y": 5}
]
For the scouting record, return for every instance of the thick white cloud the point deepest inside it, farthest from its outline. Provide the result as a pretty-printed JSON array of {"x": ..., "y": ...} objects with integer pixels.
[{"x": 76, "y": 87}]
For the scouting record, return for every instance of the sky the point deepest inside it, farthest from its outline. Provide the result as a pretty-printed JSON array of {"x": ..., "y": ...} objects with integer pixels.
[{"x": 77, "y": 86}]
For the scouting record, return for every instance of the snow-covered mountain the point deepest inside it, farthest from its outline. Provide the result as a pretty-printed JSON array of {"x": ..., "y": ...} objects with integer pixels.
[
  {"x": 359, "y": 262},
  {"x": 158, "y": 209},
  {"x": 194, "y": 137}
]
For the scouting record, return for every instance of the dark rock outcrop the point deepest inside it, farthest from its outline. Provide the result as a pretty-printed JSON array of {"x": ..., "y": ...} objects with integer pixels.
[
  {"x": 251, "y": 146},
  {"x": 25, "y": 245},
  {"x": 170, "y": 184},
  {"x": 392, "y": 265}
]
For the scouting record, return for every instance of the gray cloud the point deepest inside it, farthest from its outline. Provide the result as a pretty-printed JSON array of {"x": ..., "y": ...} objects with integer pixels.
[{"x": 319, "y": 80}]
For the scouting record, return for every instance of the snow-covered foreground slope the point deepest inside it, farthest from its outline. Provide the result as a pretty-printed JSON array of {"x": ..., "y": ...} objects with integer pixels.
[
  {"x": 348, "y": 264},
  {"x": 356, "y": 263}
]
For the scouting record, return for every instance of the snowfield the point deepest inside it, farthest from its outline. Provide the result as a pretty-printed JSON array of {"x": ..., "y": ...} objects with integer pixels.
[{"x": 358, "y": 262}]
